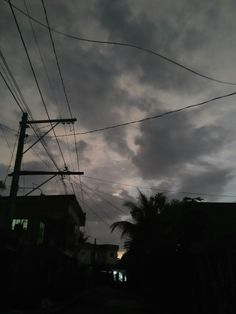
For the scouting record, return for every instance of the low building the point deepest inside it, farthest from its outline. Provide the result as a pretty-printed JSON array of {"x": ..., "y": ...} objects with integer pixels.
[
  {"x": 46, "y": 219},
  {"x": 98, "y": 254}
]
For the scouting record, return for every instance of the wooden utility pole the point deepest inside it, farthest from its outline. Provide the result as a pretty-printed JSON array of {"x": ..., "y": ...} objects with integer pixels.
[
  {"x": 19, "y": 154},
  {"x": 16, "y": 176}
]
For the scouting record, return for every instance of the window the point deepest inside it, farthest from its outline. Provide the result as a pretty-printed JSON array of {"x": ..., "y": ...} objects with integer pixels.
[{"x": 22, "y": 222}]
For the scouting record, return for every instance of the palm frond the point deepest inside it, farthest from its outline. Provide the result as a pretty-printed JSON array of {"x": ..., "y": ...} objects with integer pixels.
[{"x": 127, "y": 228}]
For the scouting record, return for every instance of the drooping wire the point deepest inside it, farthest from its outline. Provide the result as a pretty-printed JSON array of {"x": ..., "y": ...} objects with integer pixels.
[
  {"x": 11, "y": 158},
  {"x": 13, "y": 95},
  {"x": 105, "y": 199},
  {"x": 35, "y": 78},
  {"x": 14, "y": 84},
  {"x": 91, "y": 196},
  {"x": 5, "y": 138},
  {"x": 154, "y": 116},
  {"x": 94, "y": 213},
  {"x": 129, "y": 45},
  {"x": 109, "y": 182},
  {"x": 21, "y": 105},
  {"x": 63, "y": 86},
  {"x": 7, "y": 127},
  {"x": 41, "y": 56}
]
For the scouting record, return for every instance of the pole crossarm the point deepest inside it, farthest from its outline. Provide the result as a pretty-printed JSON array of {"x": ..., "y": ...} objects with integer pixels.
[
  {"x": 53, "y": 121},
  {"x": 29, "y": 173}
]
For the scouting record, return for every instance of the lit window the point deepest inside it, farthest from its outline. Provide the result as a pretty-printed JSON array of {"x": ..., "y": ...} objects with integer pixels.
[{"x": 22, "y": 222}]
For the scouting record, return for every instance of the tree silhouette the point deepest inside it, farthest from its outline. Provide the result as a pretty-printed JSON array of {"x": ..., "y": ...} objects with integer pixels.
[
  {"x": 145, "y": 215},
  {"x": 157, "y": 241}
]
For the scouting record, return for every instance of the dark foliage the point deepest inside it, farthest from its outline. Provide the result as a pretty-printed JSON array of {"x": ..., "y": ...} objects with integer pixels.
[{"x": 169, "y": 260}]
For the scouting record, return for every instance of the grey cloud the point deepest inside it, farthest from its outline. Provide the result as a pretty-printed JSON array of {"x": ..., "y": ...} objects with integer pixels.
[
  {"x": 117, "y": 142},
  {"x": 211, "y": 181},
  {"x": 116, "y": 16},
  {"x": 194, "y": 38},
  {"x": 82, "y": 145},
  {"x": 166, "y": 145}
]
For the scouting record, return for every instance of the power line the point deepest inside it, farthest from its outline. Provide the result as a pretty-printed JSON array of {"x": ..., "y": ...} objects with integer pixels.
[
  {"x": 130, "y": 45},
  {"x": 156, "y": 189},
  {"x": 95, "y": 213},
  {"x": 11, "y": 158},
  {"x": 90, "y": 194},
  {"x": 22, "y": 110},
  {"x": 20, "y": 101},
  {"x": 152, "y": 117},
  {"x": 14, "y": 85},
  {"x": 5, "y": 137},
  {"x": 7, "y": 127},
  {"x": 106, "y": 200},
  {"x": 13, "y": 95},
  {"x": 41, "y": 55},
  {"x": 35, "y": 77},
  {"x": 42, "y": 59},
  {"x": 56, "y": 57},
  {"x": 63, "y": 86},
  {"x": 7, "y": 77}
]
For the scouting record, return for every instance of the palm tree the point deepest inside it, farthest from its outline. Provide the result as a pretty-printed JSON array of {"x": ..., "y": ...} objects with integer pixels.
[{"x": 145, "y": 215}]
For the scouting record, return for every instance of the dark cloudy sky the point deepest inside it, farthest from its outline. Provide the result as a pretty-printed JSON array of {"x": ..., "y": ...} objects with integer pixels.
[{"x": 192, "y": 151}]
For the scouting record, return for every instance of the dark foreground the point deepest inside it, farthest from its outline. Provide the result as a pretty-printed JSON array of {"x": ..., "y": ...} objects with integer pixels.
[{"x": 102, "y": 299}]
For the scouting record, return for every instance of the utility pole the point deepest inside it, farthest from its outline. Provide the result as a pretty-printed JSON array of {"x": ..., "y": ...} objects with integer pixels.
[
  {"x": 19, "y": 155},
  {"x": 16, "y": 176}
]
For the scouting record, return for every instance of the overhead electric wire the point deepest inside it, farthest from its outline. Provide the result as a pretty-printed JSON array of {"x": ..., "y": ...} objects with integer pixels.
[
  {"x": 38, "y": 155},
  {"x": 7, "y": 77},
  {"x": 7, "y": 127},
  {"x": 35, "y": 77},
  {"x": 23, "y": 105},
  {"x": 5, "y": 138},
  {"x": 11, "y": 158},
  {"x": 104, "y": 199},
  {"x": 97, "y": 204},
  {"x": 95, "y": 213},
  {"x": 42, "y": 59},
  {"x": 156, "y": 189},
  {"x": 56, "y": 57},
  {"x": 14, "y": 85},
  {"x": 13, "y": 95},
  {"x": 63, "y": 86},
  {"x": 44, "y": 66},
  {"x": 41, "y": 55},
  {"x": 130, "y": 45},
  {"x": 152, "y": 117}
]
